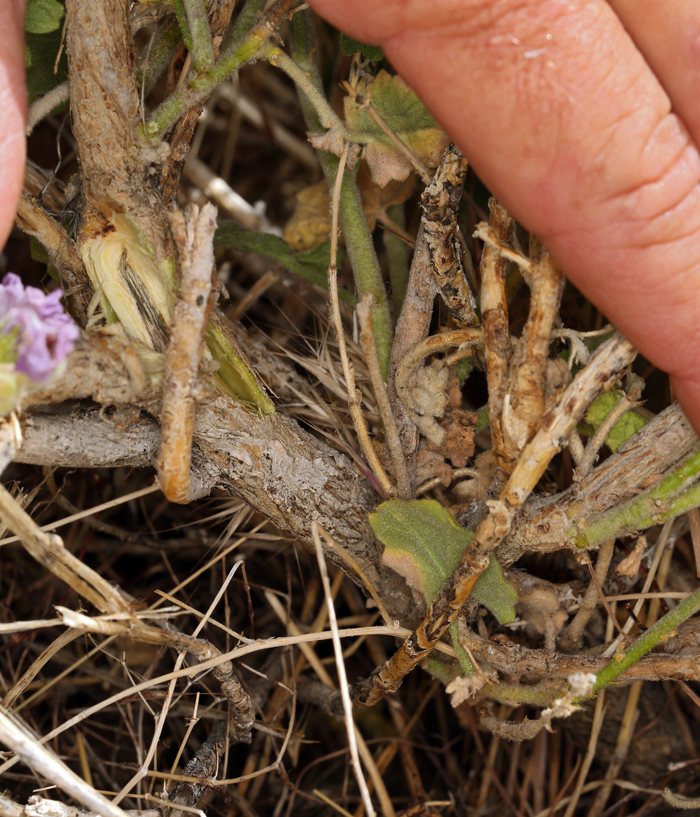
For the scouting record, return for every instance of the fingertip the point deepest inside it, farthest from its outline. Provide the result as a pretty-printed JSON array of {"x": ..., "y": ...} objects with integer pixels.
[{"x": 13, "y": 103}]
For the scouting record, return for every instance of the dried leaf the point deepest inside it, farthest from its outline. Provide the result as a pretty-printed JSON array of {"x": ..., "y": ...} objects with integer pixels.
[
  {"x": 424, "y": 544},
  {"x": 310, "y": 223},
  {"x": 401, "y": 109},
  {"x": 459, "y": 442}
]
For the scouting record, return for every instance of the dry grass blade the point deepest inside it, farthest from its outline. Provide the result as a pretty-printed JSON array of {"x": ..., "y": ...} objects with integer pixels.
[
  {"x": 31, "y": 752},
  {"x": 342, "y": 678}
]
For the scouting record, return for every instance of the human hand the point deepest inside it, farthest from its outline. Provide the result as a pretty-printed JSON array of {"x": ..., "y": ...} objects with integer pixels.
[
  {"x": 582, "y": 119},
  {"x": 13, "y": 109}
]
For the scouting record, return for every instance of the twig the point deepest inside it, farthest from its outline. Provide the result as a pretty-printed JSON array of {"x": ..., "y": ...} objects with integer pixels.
[
  {"x": 354, "y": 395},
  {"x": 648, "y": 640},
  {"x": 34, "y": 221},
  {"x": 680, "y": 802},
  {"x": 48, "y": 550},
  {"x": 575, "y": 629},
  {"x": 590, "y": 452},
  {"x": 342, "y": 677},
  {"x": 490, "y": 238},
  {"x": 42, "y": 107},
  {"x": 398, "y": 461},
  {"x": 601, "y": 374},
  {"x": 358, "y": 239},
  {"x": 598, "y": 717},
  {"x": 525, "y": 398},
  {"x": 494, "y": 313},
  {"x": 412, "y": 328},
  {"x": 194, "y": 91},
  {"x": 439, "y": 220},
  {"x": 194, "y": 235},
  {"x": 30, "y": 750}
]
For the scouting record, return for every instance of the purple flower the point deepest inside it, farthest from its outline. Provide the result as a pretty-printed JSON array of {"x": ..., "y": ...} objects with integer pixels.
[{"x": 45, "y": 334}]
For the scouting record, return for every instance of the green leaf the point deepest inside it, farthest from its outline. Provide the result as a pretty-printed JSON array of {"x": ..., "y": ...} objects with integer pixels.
[
  {"x": 234, "y": 372},
  {"x": 627, "y": 426},
  {"x": 310, "y": 264},
  {"x": 349, "y": 47},
  {"x": 43, "y": 50},
  {"x": 424, "y": 544},
  {"x": 402, "y": 110},
  {"x": 495, "y": 593},
  {"x": 43, "y": 16},
  {"x": 27, "y": 57}
]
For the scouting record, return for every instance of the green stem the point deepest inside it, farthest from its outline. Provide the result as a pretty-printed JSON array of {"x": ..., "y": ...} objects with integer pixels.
[
  {"x": 651, "y": 508},
  {"x": 198, "y": 87},
  {"x": 397, "y": 256},
  {"x": 198, "y": 22},
  {"x": 327, "y": 117},
  {"x": 358, "y": 239},
  {"x": 245, "y": 22},
  {"x": 655, "y": 635},
  {"x": 182, "y": 21}
]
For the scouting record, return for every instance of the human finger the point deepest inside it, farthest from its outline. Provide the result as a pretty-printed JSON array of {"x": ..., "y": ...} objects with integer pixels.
[
  {"x": 13, "y": 104},
  {"x": 565, "y": 121}
]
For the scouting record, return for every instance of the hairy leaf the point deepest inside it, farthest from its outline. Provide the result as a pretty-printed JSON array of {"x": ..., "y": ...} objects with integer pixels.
[
  {"x": 401, "y": 109},
  {"x": 43, "y": 16},
  {"x": 311, "y": 264},
  {"x": 424, "y": 544},
  {"x": 627, "y": 426},
  {"x": 41, "y": 50}
]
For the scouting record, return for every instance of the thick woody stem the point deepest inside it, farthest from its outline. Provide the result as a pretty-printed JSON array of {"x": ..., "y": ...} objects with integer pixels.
[
  {"x": 440, "y": 201},
  {"x": 195, "y": 238}
]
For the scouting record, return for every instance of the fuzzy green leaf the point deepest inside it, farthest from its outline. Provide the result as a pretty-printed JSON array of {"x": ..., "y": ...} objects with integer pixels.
[
  {"x": 42, "y": 50},
  {"x": 43, "y": 16},
  {"x": 627, "y": 426},
  {"x": 349, "y": 46},
  {"x": 310, "y": 264},
  {"x": 402, "y": 110},
  {"x": 424, "y": 544}
]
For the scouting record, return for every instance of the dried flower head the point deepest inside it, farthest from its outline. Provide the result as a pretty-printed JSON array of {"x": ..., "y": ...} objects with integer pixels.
[{"x": 36, "y": 336}]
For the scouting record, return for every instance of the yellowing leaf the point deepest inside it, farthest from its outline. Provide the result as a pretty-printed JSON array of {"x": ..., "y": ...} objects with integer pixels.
[
  {"x": 401, "y": 109},
  {"x": 310, "y": 223},
  {"x": 424, "y": 544}
]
